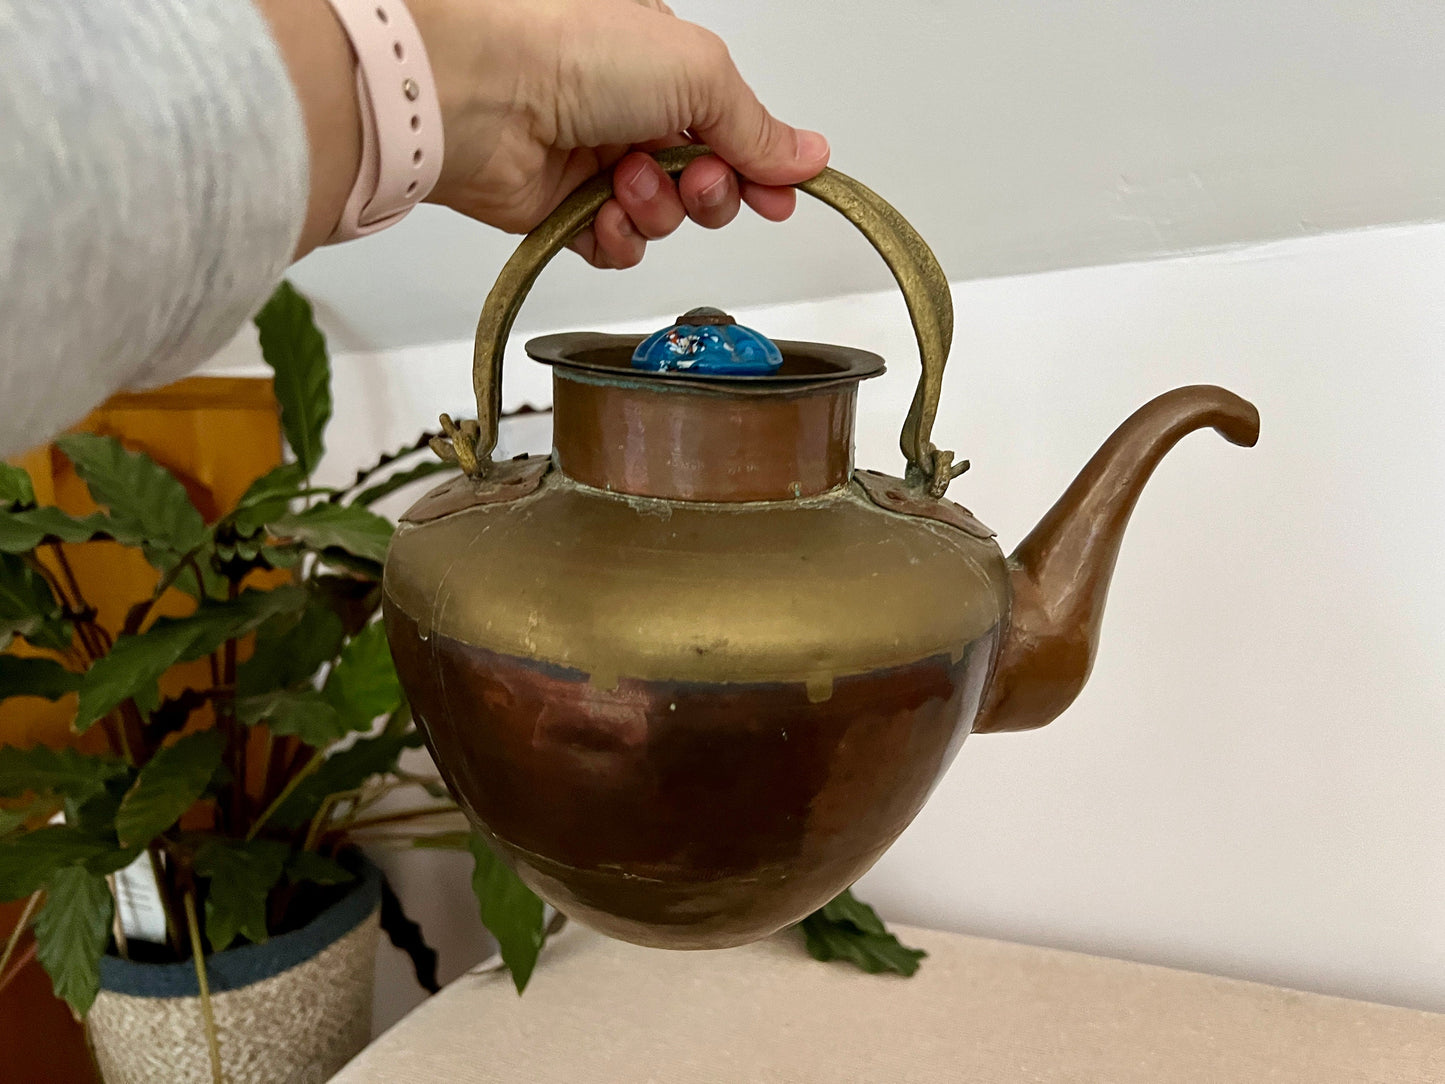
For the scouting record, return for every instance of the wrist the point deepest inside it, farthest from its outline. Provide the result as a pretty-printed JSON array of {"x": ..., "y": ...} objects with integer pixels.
[{"x": 318, "y": 56}]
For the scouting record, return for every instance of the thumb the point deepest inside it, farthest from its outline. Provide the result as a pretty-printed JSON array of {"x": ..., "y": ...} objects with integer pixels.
[{"x": 729, "y": 118}]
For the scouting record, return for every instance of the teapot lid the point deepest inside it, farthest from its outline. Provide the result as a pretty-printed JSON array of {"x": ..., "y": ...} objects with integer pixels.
[
  {"x": 708, "y": 340},
  {"x": 706, "y": 346}
]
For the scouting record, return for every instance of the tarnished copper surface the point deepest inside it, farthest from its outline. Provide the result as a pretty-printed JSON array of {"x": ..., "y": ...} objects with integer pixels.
[
  {"x": 506, "y": 481},
  {"x": 637, "y": 437},
  {"x": 896, "y": 495},
  {"x": 687, "y": 814}
]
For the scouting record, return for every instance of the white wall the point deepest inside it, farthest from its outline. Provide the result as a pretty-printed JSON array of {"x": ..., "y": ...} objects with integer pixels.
[
  {"x": 1016, "y": 136},
  {"x": 1254, "y": 781}
]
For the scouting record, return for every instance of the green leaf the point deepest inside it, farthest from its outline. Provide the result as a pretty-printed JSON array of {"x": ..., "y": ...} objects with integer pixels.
[
  {"x": 28, "y": 860},
  {"x": 352, "y": 530},
  {"x": 29, "y": 608},
  {"x": 400, "y": 480},
  {"x": 112, "y": 861},
  {"x": 295, "y": 349},
  {"x": 363, "y": 684},
  {"x": 15, "y": 487},
  {"x": 24, "y": 530},
  {"x": 14, "y": 819},
  {"x": 285, "y": 482},
  {"x": 167, "y": 786},
  {"x": 135, "y": 663},
  {"x": 848, "y": 929},
  {"x": 343, "y": 771},
  {"x": 291, "y": 648},
  {"x": 63, "y": 772},
  {"x": 11, "y": 819},
  {"x": 45, "y": 678},
  {"x": 95, "y": 815},
  {"x": 71, "y": 934},
  {"x": 142, "y": 496},
  {"x": 511, "y": 912},
  {"x": 147, "y": 504},
  {"x": 303, "y": 713},
  {"x": 848, "y": 908},
  {"x": 241, "y": 876},
  {"x": 269, "y": 497},
  {"x": 318, "y": 869}
]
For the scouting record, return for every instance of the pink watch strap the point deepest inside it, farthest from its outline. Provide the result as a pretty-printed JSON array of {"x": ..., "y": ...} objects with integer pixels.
[{"x": 401, "y": 121}]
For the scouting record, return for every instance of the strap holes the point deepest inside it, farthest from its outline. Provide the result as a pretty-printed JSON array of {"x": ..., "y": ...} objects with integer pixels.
[
  {"x": 381, "y": 15},
  {"x": 396, "y": 48}
]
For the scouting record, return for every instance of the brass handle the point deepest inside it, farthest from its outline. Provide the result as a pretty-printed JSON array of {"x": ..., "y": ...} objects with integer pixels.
[{"x": 930, "y": 306}]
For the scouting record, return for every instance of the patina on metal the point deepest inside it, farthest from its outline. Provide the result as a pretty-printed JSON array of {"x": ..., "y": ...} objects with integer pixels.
[{"x": 695, "y": 672}]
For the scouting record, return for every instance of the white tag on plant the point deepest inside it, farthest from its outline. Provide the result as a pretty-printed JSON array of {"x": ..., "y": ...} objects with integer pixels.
[
  {"x": 137, "y": 899},
  {"x": 138, "y": 902}
]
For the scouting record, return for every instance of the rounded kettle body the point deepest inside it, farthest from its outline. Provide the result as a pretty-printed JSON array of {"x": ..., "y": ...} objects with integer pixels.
[{"x": 685, "y": 726}]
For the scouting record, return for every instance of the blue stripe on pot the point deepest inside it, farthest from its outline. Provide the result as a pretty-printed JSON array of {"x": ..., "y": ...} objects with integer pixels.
[{"x": 240, "y": 967}]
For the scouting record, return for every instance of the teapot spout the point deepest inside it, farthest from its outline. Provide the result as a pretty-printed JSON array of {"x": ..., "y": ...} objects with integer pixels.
[{"x": 1059, "y": 575}]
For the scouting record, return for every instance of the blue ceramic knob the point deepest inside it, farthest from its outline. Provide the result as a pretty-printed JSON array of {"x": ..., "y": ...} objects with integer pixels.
[{"x": 708, "y": 342}]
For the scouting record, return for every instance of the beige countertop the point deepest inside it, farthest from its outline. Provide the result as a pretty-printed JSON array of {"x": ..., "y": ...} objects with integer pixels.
[{"x": 603, "y": 1012}]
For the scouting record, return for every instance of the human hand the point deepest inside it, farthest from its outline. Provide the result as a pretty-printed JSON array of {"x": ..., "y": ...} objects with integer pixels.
[{"x": 539, "y": 95}]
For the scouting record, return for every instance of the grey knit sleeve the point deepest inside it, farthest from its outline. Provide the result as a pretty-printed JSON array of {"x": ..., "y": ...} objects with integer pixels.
[{"x": 153, "y": 184}]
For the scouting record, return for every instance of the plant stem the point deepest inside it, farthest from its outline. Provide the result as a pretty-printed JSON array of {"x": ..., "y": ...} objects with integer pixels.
[
  {"x": 400, "y": 780},
  {"x": 92, "y": 635},
  {"x": 234, "y": 734},
  {"x": 319, "y": 821},
  {"x": 133, "y": 731},
  {"x": 69, "y": 573},
  {"x": 268, "y": 749},
  {"x": 212, "y": 1040},
  {"x": 187, "y": 561},
  {"x": 286, "y": 792},
  {"x": 282, "y": 749},
  {"x": 117, "y": 925},
  {"x": 20, "y": 965},
  {"x": 398, "y": 818},
  {"x": 110, "y": 726},
  {"x": 168, "y": 899},
  {"x": 73, "y": 609},
  {"x": 14, "y": 939},
  {"x": 115, "y": 731}
]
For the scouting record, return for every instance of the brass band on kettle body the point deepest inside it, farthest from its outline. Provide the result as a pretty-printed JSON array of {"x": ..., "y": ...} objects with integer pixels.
[{"x": 924, "y": 286}]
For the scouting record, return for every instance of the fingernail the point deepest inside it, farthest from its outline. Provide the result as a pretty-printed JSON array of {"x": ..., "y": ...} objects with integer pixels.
[
  {"x": 714, "y": 193},
  {"x": 811, "y": 145},
  {"x": 644, "y": 183},
  {"x": 625, "y": 227}
]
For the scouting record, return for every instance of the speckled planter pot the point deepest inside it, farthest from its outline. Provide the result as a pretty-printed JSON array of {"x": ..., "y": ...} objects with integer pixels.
[{"x": 291, "y": 1011}]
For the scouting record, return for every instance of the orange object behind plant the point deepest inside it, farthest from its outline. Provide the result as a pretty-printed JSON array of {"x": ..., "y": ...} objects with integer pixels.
[{"x": 216, "y": 435}]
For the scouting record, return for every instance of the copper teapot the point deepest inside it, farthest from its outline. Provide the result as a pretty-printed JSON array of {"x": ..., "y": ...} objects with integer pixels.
[{"x": 693, "y": 673}]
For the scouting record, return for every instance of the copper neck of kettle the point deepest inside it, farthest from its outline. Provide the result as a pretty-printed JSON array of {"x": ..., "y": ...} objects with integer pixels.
[{"x": 714, "y": 445}]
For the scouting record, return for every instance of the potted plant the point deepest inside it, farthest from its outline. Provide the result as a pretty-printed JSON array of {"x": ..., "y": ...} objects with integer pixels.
[{"x": 234, "y": 810}]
